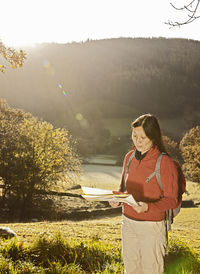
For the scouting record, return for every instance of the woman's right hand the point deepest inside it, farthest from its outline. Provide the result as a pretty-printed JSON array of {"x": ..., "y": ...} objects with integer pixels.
[{"x": 114, "y": 204}]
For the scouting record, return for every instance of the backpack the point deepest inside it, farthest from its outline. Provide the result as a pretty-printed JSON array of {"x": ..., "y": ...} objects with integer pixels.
[{"x": 171, "y": 213}]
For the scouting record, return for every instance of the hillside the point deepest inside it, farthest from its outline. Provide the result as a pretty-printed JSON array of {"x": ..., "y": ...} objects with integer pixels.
[{"x": 83, "y": 86}]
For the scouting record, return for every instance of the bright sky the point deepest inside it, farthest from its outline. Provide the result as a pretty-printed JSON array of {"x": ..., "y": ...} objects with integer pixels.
[{"x": 26, "y": 22}]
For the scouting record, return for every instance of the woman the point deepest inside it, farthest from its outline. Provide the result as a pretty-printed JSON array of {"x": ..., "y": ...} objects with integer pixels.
[{"x": 143, "y": 225}]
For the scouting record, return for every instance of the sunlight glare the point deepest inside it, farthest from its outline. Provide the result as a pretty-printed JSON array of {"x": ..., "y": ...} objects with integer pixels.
[{"x": 31, "y": 22}]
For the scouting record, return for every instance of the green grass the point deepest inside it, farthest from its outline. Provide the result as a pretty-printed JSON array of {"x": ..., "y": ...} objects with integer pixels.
[
  {"x": 181, "y": 258},
  {"x": 56, "y": 254}
]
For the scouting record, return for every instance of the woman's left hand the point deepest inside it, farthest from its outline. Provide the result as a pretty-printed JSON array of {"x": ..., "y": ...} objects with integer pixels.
[{"x": 141, "y": 207}]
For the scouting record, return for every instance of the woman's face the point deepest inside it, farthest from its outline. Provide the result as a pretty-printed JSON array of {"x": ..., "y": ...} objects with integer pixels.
[{"x": 140, "y": 140}]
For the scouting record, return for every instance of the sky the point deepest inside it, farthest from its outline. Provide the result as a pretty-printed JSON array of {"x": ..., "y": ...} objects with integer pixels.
[{"x": 29, "y": 22}]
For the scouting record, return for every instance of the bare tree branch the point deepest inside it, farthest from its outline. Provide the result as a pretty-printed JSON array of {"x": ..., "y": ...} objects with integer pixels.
[{"x": 190, "y": 9}]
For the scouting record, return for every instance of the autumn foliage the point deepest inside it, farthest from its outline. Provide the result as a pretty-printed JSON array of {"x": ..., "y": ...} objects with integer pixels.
[
  {"x": 12, "y": 56},
  {"x": 190, "y": 149},
  {"x": 33, "y": 155}
]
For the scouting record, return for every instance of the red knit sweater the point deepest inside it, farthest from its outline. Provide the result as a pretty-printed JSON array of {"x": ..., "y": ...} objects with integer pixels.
[{"x": 150, "y": 192}]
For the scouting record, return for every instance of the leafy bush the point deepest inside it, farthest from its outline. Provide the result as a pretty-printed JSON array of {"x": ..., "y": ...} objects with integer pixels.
[
  {"x": 90, "y": 255},
  {"x": 33, "y": 156},
  {"x": 191, "y": 154},
  {"x": 14, "y": 57},
  {"x": 181, "y": 259},
  {"x": 172, "y": 148}
]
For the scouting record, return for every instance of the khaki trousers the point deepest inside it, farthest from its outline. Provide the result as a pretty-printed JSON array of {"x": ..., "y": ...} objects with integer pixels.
[{"x": 143, "y": 246}]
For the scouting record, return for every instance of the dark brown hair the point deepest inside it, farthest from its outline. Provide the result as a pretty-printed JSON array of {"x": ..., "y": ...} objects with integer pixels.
[{"x": 152, "y": 130}]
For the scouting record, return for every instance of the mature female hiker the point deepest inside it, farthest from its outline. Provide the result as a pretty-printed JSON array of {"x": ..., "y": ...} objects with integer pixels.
[{"x": 143, "y": 225}]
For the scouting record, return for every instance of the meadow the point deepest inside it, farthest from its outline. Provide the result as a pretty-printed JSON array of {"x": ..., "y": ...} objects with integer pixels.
[{"x": 99, "y": 234}]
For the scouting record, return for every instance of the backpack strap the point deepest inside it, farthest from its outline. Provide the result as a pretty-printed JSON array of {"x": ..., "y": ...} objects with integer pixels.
[
  {"x": 129, "y": 160},
  {"x": 157, "y": 171},
  {"x": 127, "y": 167},
  {"x": 168, "y": 213},
  {"x": 158, "y": 176}
]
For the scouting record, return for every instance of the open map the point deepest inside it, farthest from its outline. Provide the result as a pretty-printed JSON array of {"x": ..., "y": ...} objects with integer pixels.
[{"x": 97, "y": 194}]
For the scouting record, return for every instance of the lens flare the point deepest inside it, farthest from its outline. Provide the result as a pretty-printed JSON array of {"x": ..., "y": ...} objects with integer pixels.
[
  {"x": 79, "y": 116},
  {"x": 64, "y": 93},
  {"x": 46, "y": 63},
  {"x": 48, "y": 67},
  {"x": 83, "y": 122},
  {"x": 61, "y": 87}
]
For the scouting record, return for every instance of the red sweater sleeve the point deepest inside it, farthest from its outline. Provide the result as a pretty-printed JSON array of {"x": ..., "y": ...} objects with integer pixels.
[{"x": 169, "y": 178}]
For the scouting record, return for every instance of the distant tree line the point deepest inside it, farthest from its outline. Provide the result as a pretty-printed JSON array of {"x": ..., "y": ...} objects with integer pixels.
[{"x": 111, "y": 78}]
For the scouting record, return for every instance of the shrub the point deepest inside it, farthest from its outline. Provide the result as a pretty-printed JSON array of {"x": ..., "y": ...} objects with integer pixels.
[
  {"x": 89, "y": 256},
  {"x": 172, "y": 148},
  {"x": 190, "y": 149},
  {"x": 181, "y": 259},
  {"x": 33, "y": 156}
]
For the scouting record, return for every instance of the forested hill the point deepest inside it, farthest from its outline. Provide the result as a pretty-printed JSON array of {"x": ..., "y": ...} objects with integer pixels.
[{"x": 80, "y": 85}]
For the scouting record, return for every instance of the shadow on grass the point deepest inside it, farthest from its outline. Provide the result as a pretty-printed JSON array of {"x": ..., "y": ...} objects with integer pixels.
[{"x": 188, "y": 204}]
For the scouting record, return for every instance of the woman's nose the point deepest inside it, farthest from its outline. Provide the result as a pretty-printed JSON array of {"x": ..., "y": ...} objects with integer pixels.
[{"x": 139, "y": 140}]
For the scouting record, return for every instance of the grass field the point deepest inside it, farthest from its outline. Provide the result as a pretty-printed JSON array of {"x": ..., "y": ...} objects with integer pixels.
[
  {"x": 108, "y": 228},
  {"x": 37, "y": 248},
  {"x": 186, "y": 227}
]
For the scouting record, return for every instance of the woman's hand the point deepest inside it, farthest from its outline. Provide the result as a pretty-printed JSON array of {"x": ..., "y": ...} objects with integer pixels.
[
  {"x": 141, "y": 207},
  {"x": 114, "y": 204}
]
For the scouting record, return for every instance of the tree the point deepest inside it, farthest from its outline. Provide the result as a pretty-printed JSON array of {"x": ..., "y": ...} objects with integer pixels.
[
  {"x": 33, "y": 155},
  {"x": 172, "y": 148},
  {"x": 190, "y": 9},
  {"x": 190, "y": 149},
  {"x": 14, "y": 57}
]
